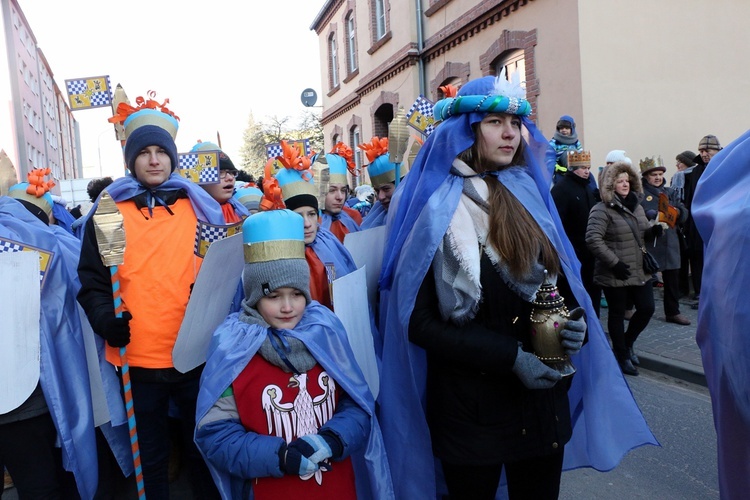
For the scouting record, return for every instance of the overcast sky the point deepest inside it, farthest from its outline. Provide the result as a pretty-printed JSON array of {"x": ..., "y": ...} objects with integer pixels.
[{"x": 216, "y": 61}]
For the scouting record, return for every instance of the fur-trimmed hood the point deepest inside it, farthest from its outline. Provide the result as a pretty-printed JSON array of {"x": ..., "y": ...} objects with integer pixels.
[{"x": 607, "y": 181}]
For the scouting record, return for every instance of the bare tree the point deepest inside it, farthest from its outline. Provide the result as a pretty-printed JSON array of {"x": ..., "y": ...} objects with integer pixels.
[{"x": 253, "y": 148}]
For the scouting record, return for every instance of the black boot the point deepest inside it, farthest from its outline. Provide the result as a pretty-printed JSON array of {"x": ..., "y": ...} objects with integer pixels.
[
  {"x": 627, "y": 367},
  {"x": 633, "y": 357}
]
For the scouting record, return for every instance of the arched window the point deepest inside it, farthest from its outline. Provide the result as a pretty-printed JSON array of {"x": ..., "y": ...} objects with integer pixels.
[
  {"x": 333, "y": 61},
  {"x": 514, "y": 62},
  {"x": 351, "y": 44},
  {"x": 380, "y": 25},
  {"x": 355, "y": 139},
  {"x": 382, "y": 117}
]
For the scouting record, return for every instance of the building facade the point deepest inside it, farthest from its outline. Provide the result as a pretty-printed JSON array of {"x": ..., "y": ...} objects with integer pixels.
[
  {"x": 42, "y": 130},
  {"x": 636, "y": 75}
]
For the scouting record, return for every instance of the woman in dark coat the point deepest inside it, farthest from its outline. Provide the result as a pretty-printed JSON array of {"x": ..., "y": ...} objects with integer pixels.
[
  {"x": 470, "y": 234},
  {"x": 619, "y": 260},
  {"x": 665, "y": 248}
]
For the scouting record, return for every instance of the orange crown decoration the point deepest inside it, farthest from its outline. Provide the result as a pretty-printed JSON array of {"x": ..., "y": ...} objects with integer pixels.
[
  {"x": 376, "y": 147},
  {"x": 37, "y": 185},
  {"x": 346, "y": 153},
  {"x": 124, "y": 110},
  {"x": 291, "y": 157},
  {"x": 448, "y": 90},
  {"x": 272, "y": 195}
]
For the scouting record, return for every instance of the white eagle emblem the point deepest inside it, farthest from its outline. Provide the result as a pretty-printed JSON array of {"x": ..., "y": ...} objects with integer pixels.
[{"x": 305, "y": 415}]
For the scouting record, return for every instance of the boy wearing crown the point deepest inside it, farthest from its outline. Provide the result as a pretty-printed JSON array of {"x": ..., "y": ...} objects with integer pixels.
[
  {"x": 337, "y": 217},
  {"x": 574, "y": 199},
  {"x": 46, "y": 415},
  {"x": 283, "y": 410},
  {"x": 383, "y": 177},
  {"x": 160, "y": 211}
]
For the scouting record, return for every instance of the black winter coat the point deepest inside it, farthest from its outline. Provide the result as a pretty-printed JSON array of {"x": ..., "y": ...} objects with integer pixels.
[
  {"x": 574, "y": 200},
  {"x": 478, "y": 411},
  {"x": 692, "y": 237}
]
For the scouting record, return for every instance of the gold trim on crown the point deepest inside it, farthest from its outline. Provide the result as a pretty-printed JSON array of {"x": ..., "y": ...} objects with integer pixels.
[
  {"x": 266, "y": 251},
  {"x": 296, "y": 188}
]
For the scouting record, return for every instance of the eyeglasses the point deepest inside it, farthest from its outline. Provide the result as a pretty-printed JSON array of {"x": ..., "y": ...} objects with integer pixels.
[{"x": 224, "y": 173}]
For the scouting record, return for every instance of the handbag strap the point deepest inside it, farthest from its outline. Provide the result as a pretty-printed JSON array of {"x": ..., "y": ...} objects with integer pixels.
[{"x": 635, "y": 234}]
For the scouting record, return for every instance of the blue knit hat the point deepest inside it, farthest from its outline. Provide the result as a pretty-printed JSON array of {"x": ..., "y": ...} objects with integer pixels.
[
  {"x": 145, "y": 136},
  {"x": 149, "y": 124}
]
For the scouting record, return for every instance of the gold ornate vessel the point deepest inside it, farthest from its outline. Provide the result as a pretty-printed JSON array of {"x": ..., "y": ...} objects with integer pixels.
[{"x": 548, "y": 318}]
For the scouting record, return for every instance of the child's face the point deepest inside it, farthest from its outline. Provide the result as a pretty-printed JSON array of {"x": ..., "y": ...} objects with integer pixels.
[
  {"x": 283, "y": 308},
  {"x": 565, "y": 130}
]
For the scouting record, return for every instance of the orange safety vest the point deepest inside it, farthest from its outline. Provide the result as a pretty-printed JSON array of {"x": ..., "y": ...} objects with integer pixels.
[{"x": 156, "y": 275}]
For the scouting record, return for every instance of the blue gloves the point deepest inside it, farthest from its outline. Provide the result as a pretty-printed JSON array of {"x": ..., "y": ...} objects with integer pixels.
[
  {"x": 533, "y": 373},
  {"x": 304, "y": 455},
  {"x": 574, "y": 332}
]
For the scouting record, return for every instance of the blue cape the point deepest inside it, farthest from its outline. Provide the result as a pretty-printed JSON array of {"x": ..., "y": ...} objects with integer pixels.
[
  {"x": 63, "y": 217},
  {"x": 376, "y": 217},
  {"x": 327, "y": 219},
  {"x": 328, "y": 248},
  {"x": 64, "y": 374},
  {"x": 721, "y": 210},
  {"x": 235, "y": 342},
  {"x": 606, "y": 420},
  {"x": 206, "y": 208}
]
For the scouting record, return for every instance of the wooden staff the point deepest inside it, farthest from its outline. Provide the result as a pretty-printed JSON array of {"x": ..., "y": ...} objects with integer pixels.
[{"x": 110, "y": 237}]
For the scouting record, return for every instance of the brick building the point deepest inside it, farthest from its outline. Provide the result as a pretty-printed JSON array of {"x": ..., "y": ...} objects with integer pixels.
[{"x": 648, "y": 77}]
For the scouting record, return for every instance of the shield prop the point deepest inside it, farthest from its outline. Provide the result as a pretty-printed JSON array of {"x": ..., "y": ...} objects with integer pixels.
[
  {"x": 367, "y": 248},
  {"x": 20, "y": 306},
  {"x": 350, "y": 300},
  {"x": 210, "y": 301}
]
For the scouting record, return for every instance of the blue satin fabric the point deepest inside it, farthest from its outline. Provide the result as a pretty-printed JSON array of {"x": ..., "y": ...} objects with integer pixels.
[
  {"x": 327, "y": 219},
  {"x": 606, "y": 420},
  {"x": 721, "y": 210},
  {"x": 328, "y": 248},
  {"x": 64, "y": 375},
  {"x": 233, "y": 345},
  {"x": 375, "y": 218},
  {"x": 206, "y": 208}
]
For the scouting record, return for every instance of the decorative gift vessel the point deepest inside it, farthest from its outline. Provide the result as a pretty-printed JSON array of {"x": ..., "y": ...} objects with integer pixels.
[{"x": 548, "y": 318}]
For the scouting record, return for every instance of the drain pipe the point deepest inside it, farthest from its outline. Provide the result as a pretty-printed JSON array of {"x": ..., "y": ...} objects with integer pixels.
[{"x": 420, "y": 48}]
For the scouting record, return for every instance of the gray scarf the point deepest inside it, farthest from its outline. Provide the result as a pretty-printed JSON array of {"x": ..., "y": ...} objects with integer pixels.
[
  {"x": 456, "y": 265},
  {"x": 293, "y": 349}
]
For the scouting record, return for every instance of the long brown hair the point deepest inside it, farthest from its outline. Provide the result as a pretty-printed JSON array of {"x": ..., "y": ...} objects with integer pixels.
[{"x": 513, "y": 232}]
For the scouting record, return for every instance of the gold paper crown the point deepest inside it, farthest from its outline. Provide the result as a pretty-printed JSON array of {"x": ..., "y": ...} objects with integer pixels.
[
  {"x": 579, "y": 159},
  {"x": 651, "y": 164}
]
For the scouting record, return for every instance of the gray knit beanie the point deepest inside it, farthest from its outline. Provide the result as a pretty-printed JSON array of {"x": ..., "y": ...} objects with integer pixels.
[{"x": 262, "y": 278}]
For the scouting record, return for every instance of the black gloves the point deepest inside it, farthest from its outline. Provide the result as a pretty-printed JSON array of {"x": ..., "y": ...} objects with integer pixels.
[
  {"x": 657, "y": 230},
  {"x": 116, "y": 331},
  {"x": 621, "y": 271}
]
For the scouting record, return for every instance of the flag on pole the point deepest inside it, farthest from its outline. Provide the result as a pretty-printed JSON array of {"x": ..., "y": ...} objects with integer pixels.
[
  {"x": 208, "y": 233},
  {"x": 274, "y": 150},
  {"x": 85, "y": 93},
  {"x": 201, "y": 167},
  {"x": 420, "y": 115}
]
